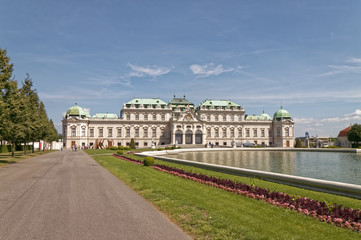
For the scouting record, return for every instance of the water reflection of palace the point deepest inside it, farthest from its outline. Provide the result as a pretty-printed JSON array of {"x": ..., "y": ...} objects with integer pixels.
[{"x": 178, "y": 122}]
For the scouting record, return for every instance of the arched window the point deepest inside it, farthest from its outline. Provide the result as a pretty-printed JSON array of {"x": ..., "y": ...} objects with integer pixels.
[
  {"x": 199, "y": 137},
  {"x": 179, "y": 136},
  {"x": 189, "y": 137}
]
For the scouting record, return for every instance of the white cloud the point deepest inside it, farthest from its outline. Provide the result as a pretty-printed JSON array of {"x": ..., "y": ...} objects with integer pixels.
[
  {"x": 327, "y": 126},
  {"x": 144, "y": 71},
  {"x": 210, "y": 70},
  {"x": 108, "y": 81},
  {"x": 354, "y": 66},
  {"x": 354, "y": 60}
]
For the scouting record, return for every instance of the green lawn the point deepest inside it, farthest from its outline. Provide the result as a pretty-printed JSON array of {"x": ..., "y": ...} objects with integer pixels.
[
  {"x": 210, "y": 213},
  {"x": 6, "y": 158}
]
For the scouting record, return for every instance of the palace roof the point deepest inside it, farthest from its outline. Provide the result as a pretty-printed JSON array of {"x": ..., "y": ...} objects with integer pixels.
[
  {"x": 77, "y": 111},
  {"x": 282, "y": 114},
  {"x": 105, "y": 116}
]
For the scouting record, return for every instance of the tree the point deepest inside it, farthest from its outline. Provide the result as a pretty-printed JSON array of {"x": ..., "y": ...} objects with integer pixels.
[
  {"x": 12, "y": 121},
  {"x": 354, "y": 135},
  {"x": 31, "y": 101},
  {"x": 298, "y": 143},
  {"x": 132, "y": 143},
  {"x": 6, "y": 71}
]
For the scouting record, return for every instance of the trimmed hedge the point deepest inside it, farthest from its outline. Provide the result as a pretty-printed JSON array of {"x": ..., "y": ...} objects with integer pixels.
[{"x": 148, "y": 161}]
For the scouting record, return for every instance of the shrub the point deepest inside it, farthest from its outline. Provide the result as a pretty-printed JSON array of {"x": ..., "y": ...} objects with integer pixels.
[
  {"x": 4, "y": 148},
  {"x": 120, "y": 147},
  {"x": 114, "y": 148},
  {"x": 159, "y": 149},
  {"x": 148, "y": 161},
  {"x": 132, "y": 143},
  {"x": 120, "y": 152},
  {"x": 127, "y": 148}
]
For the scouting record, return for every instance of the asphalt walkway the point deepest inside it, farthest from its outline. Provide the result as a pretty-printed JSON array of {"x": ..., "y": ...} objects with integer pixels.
[{"x": 67, "y": 195}]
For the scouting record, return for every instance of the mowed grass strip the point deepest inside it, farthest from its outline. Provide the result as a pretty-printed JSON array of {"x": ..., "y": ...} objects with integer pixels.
[
  {"x": 6, "y": 158},
  {"x": 209, "y": 213}
]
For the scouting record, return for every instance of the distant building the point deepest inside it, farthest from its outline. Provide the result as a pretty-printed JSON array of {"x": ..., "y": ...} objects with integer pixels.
[
  {"x": 342, "y": 139},
  {"x": 217, "y": 122}
]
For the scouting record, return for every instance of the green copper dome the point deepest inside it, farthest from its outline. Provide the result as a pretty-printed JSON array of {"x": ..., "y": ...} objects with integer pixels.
[
  {"x": 282, "y": 114},
  {"x": 77, "y": 111},
  {"x": 265, "y": 116}
]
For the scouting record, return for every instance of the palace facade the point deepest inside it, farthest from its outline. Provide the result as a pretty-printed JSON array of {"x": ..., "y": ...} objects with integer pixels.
[{"x": 178, "y": 122}]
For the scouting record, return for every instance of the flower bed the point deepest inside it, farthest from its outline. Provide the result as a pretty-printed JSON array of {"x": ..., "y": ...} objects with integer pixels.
[{"x": 334, "y": 214}]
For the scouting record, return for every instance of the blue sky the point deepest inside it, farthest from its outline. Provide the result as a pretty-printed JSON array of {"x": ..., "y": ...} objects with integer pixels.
[{"x": 303, "y": 55}]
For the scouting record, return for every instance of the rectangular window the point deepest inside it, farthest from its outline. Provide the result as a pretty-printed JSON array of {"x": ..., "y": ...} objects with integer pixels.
[
  {"x": 119, "y": 132},
  {"x": 240, "y": 118},
  {"x": 128, "y": 132},
  {"x": 216, "y": 132},
  {"x": 145, "y": 132},
  {"x": 216, "y": 118},
  {"x": 128, "y": 116},
  {"x": 208, "y": 117},
  {"x": 154, "y": 116},
  {"x": 145, "y": 144},
  {"x": 269, "y": 133},
  {"x": 224, "y": 132},
  {"x": 255, "y": 133},
  {"x": 247, "y": 132},
  {"x": 262, "y": 133},
  {"x": 91, "y": 132},
  {"x": 232, "y": 132},
  {"x": 208, "y": 132},
  {"x": 163, "y": 133},
  {"x": 83, "y": 132},
  {"x": 239, "y": 132},
  {"x": 163, "y": 117},
  {"x": 146, "y": 116},
  {"x": 100, "y": 132},
  {"x": 110, "y": 132},
  {"x": 232, "y": 118},
  {"x": 73, "y": 132},
  {"x": 154, "y": 132},
  {"x": 278, "y": 132},
  {"x": 287, "y": 132},
  {"x": 137, "y": 132},
  {"x": 136, "y": 116}
]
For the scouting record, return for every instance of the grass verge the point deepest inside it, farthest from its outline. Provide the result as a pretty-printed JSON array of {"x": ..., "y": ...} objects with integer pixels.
[
  {"x": 6, "y": 158},
  {"x": 210, "y": 213}
]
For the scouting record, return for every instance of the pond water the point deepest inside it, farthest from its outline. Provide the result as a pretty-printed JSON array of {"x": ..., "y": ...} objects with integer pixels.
[{"x": 333, "y": 166}]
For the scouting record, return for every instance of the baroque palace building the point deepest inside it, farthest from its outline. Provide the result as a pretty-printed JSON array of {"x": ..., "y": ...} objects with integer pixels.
[{"x": 178, "y": 122}]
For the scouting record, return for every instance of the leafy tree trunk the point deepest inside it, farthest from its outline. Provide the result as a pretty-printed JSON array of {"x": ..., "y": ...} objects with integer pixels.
[
  {"x": 33, "y": 147},
  {"x": 25, "y": 148},
  {"x": 13, "y": 148}
]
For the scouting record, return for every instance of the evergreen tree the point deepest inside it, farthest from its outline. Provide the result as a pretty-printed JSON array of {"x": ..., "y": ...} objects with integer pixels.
[
  {"x": 354, "y": 135},
  {"x": 298, "y": 143},
  {"x": 132, "y": 143},
  {"x": 31, "y": 100}
]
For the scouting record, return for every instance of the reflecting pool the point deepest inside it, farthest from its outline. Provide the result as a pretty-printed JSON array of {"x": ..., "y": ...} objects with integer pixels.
[{"x": 333, "y": 166}]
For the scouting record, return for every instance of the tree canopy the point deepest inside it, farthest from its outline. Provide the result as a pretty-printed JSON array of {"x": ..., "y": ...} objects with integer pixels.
[
  {"x": 22, "y": 115},
  {"x": 354, "y": 135}
]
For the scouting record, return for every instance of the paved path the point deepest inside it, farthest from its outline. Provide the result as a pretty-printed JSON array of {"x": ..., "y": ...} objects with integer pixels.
[{"x": 67, "y": 195}]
